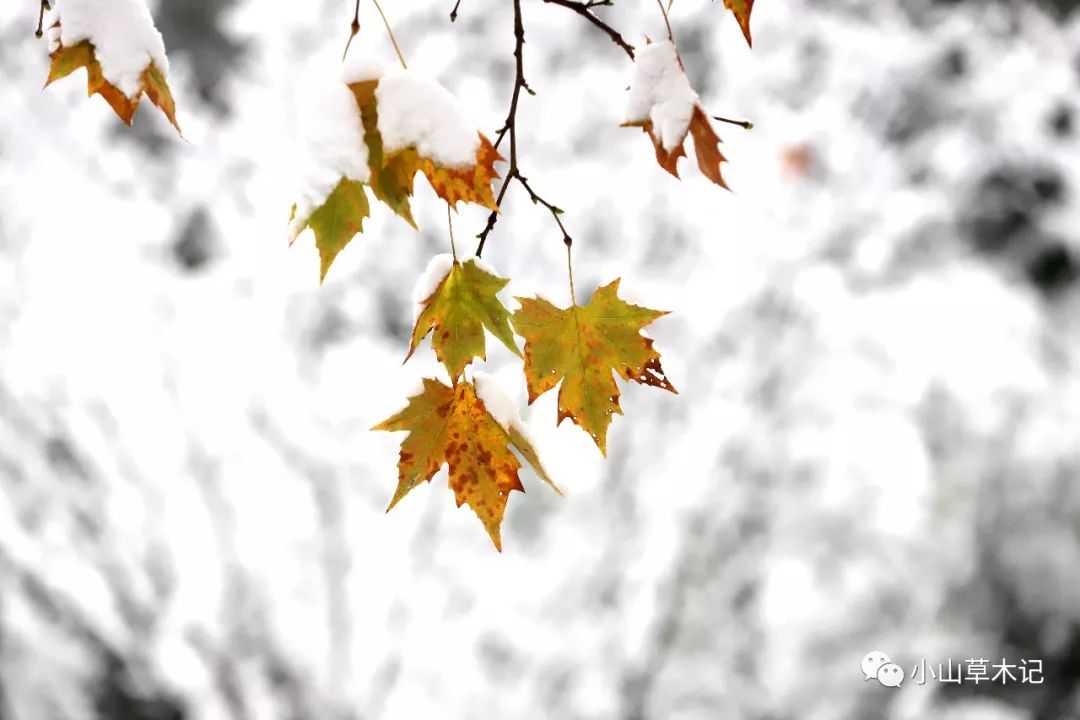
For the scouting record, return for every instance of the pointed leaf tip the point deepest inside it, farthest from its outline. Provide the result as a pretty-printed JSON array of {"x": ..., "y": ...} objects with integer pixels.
[
  {"x": 455, "y": 315},
  {"x": 66, "y": 60},
  {"x": 582, "y": 347},
  {"x": 452, "y": 425}
]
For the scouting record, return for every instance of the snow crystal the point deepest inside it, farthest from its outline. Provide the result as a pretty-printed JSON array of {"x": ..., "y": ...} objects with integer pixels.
[
  {"x": 437, "y": 269},
  {"x": 123, "y": 34},
  {"x": 498, "y": 403},
  {"x": 661, "y": 92},
  {"x": 333, "y": 147},
  {"x": 418, "y": 112}
]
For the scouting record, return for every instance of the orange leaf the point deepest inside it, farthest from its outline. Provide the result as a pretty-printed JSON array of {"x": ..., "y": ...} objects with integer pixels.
[
  {"x": 707, "y": 147},
  {"x": 452, "y": 425},
  {"x": 66, "y": 60},
  {"x": 742, "y": 9},
  {"x": 392, "y": 172},
  {"x": 664, "y": 105}
]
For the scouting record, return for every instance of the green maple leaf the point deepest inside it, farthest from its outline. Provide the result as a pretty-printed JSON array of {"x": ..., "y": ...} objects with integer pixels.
[
  {"x": 581, "y": 346},
  {"x": 456, "y": 314},
  {"x": 337, "y": 221}
]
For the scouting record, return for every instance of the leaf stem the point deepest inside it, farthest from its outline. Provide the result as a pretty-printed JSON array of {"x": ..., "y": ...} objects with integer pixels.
[
  {"x": 354, "y": 28},
  {"x": 450, "y": 224},
  {"x": 453, "y": 13},
  {"x": 390, "y": 32},
  {"x": 570, "y": 269},
  {"x": 667, "y": 20}
]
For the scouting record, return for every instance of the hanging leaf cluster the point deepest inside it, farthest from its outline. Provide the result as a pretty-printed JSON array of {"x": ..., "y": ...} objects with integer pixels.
[
  {"x": 122, "y": 63},
  {"x": 391, "y": 167},
  {"x": 581, "y": 346},
  {"x": 385, "y": 128}
]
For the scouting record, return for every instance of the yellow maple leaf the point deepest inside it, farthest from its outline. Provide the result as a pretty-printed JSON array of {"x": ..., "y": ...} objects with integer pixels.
[
  {"x": 391, "y": 177},
  {"x": 581, "y": 346},
  {"x": 457, "y": 312},
  {"x": 152, "y": 83},
  {"x": 452, "y": 425},
  {"x": 392, "y": 172}
]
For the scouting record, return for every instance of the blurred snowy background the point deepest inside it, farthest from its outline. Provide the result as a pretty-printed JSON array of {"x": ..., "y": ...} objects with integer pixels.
[{"x": 875, "y": 338}]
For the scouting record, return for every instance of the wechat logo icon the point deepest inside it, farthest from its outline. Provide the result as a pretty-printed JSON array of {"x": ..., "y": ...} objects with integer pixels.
[{"x": 876, "y": 665}]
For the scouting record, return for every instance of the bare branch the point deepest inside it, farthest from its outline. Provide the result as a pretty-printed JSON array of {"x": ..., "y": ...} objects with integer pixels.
[
  {"x": 584, "y": 8},
  {"x": 509, "y": 129}
]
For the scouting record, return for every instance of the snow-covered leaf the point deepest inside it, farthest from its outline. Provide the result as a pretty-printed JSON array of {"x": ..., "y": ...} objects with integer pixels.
[
  {"x": 122, "y": 51},
  {"x": 378, "y": 129},
  {"x": 664, "y": 105}
]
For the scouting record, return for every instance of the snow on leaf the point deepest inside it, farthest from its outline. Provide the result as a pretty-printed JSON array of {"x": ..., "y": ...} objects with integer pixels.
[
  {"x": 66, "y": 60},
  {"x": 452, "y": 425},
  {"x": 456, "y": 313},
  {"x": 334, "y": 169},
  {"x": 122, "y": 51},
  {"x": 391, "y": 177},
  {"x": 359, "y": 135},
  {"x": 337, "y": 221},
  {"x": 411, "y": 125},
  {"x": 581, "y": 346},
  {"x": 665, "y": 106},
  {"x": 742, "y": 9},
  {"x": 505, "y": 412}
]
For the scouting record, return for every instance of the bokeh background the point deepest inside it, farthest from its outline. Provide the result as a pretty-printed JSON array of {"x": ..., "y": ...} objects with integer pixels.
[{"x": 875, "y": 338}]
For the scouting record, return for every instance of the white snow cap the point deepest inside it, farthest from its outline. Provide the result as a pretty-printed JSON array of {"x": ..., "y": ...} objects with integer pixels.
[
  {"x": 333, "y": 144},
  {"x": 360, "y": 67},
  {"x": 437, "y": 270},
  {"x": 483, "y": 265},
  {"x": 419, "y": 112},
  {"x": 498, "y": 403},
  {"x": 122, "y": 32},
  {"x": 661, "y": 92}
]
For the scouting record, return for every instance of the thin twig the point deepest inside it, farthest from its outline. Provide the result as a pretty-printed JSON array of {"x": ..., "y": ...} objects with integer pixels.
[
  {"x": 744, "y": 124},
  {"x": 509, "y": 129},
  {"x": 585, "y": 10},
  {"x": 390, "y": 32},
  {"x": 667, "y": 20},
  {"x": 354, "y": 28},
  {"x": 41, "y": 18},
  {"x": 453, "y": 13}
]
